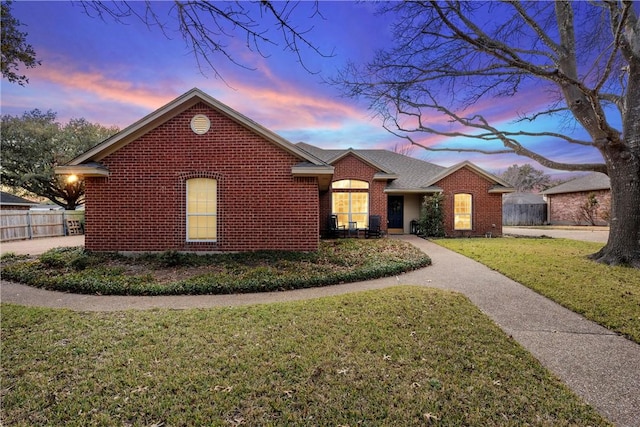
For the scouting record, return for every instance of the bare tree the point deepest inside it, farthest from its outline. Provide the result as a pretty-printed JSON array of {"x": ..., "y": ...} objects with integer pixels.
[
  {"x": 451, "y": 56},
  {"x": 208, "y": 27},
  {"x": 404, "y": 149}
]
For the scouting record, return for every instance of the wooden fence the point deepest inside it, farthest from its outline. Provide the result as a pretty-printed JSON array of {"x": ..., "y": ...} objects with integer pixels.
[
  {"x": 516, "y": 214},
  {"x": 24, "y": 224}
]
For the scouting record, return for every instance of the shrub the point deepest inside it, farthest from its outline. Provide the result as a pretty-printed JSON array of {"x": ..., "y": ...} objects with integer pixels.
[
  {"x": 588, "y": 211},
  {"x": 348, "y": 260},
  {"x": 174, "y": 259},
  {"x": 431, "y": 220},
  {"x": 65, "y": 258}
]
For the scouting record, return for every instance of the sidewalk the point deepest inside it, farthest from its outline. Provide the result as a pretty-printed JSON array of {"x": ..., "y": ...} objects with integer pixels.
[{"x": 598, "y": 365}]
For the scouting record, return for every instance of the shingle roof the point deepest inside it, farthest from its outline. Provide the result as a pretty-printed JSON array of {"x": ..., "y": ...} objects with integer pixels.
[
  {"x": 410, "y": 174},
  {"x": 10, "y": 199},
  {"x": 593, "y": 181}
]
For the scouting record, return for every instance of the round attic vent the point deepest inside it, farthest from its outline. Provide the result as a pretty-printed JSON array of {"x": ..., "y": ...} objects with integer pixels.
[{"x": 200, "y": 124}]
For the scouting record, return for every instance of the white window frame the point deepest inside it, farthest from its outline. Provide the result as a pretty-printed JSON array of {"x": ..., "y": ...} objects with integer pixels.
[
  {"x": 350, "y": 187},
  {"x": 213, "y": 214}
]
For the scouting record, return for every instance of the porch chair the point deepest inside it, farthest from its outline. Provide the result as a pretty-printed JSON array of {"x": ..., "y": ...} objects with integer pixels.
[
  {"x": 334, "y": 230},
  {"x": 373, "y": 230}
]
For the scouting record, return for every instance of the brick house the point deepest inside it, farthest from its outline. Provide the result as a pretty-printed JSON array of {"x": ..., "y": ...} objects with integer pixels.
[
  {"x": 196, "y": 175},
  {"x": 397, "y": 185},
  {"x": 565, "y": 200},
  {"x": 11, "y": 202}
]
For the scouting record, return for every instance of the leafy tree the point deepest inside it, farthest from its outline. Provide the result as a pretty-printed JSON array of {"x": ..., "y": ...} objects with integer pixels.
[
  {"x": 449, "y": 58},
  {"x": 15, "y": 49},
  {"x": 33, "y": 144},
  {"x": 526, "y": 178}
]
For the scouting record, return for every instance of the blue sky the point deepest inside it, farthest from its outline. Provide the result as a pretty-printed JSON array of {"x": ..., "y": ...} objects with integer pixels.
[{"x": 114, "y": 74}]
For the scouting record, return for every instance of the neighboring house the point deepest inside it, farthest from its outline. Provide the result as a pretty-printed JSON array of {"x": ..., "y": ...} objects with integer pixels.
[
  {"x": 47, "y": 207},
  {"x": 565, "y": 200},
  {"x": 10, "y": 202},
  {"x": 196, "y": 175}
]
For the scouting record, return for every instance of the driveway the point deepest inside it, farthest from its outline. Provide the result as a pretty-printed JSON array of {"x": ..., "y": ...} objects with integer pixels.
[
  {"x": 39, "y": 246},
  {"x": 588, "y": 234}
]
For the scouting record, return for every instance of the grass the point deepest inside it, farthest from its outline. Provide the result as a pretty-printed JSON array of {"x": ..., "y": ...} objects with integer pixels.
[
  {"x": 400, "y": 356},
  {"x": 173, "y": 273},
  {"x": 559, "y": 270}
]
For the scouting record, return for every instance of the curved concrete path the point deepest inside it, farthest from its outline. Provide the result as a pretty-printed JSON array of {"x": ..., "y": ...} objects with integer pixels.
[{"x": 598, "y": 365}]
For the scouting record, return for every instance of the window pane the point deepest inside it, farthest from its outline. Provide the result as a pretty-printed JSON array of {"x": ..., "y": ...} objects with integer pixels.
[
  {"x": 340, "y": 203},
  {"x": 202, "y": 227},
  {"x": 349, "y": 184},
  {"x": 463, "y": 222},
  {"x": 343, "y": 219},
  {"x": 359, "y": 202},
  {"x": 361, "y": 219},
  {"x": 462, "y": 211},
  {"x": 341, "y": 207},
  {"x": 351, "y": 206},
  {"x": 359, "y": 184},
  {"x": 343, "y": 183}
]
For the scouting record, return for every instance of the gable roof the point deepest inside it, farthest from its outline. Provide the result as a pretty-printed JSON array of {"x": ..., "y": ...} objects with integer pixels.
[
  {"x": 499, "y": 187},
  {"x": 86, "y": 163},
  {"x": 9, "y": 199},
  {"x": 593, "y": 181},
  {"x": 407, "y": 173}
]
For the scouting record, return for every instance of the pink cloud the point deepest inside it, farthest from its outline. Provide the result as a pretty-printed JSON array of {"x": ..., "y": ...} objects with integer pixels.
[
  {"x": 274, "y": 102},
  {"x": 98, "y": 84},
  {"x": 281, "y": 105}
]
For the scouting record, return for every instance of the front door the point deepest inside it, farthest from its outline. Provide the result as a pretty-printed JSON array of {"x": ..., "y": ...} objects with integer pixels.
[{"x": 395, "y": 211}]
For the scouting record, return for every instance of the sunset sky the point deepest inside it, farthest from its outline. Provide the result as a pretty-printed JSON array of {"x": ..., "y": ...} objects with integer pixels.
[{"x": 116, "y": 73}]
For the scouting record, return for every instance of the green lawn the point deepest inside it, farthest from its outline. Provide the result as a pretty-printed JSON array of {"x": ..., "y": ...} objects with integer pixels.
[
  {"x": 400, "y": 356},
  {"x": 559, "y": 269}
]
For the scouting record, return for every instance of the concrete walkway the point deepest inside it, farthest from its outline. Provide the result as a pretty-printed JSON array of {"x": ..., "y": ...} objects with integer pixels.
[{"x": 598, "y": 365}]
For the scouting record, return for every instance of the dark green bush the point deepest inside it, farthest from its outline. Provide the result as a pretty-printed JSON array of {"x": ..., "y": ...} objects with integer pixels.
[
  {"x": 431, "y": 222},
  {"x": 73, "y": 270},
  {"x": 62, "y": 257}
]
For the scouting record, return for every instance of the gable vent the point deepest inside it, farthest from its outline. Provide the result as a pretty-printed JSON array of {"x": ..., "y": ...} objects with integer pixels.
[{"x": 200, "y": 124}]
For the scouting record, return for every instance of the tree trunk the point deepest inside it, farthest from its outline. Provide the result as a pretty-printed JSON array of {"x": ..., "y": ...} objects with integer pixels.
[{"x": 623, "y": 246}]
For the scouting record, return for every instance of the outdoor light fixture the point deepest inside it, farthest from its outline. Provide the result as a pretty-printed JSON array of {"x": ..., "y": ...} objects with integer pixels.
[{"x": 72, "y": 178}]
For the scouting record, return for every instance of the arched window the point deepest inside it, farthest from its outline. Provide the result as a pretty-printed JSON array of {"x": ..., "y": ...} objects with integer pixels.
[
  {"x": 350, "y": 202},
  {"x": 462, "y": 205},
  {"x": 202, "y": 209}
]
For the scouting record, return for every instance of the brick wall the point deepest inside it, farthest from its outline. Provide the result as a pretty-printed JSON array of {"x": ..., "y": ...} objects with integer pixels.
[
  {"x": 486, "y": 207},
  {"x": 141, "y": 205},
  {"x": 563, "y": 208},
  {"x": 351, "y": 167}
]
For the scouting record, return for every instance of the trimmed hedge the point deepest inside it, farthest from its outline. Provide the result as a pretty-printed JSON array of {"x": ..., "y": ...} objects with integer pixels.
[{"x": 339, "y": 261}]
